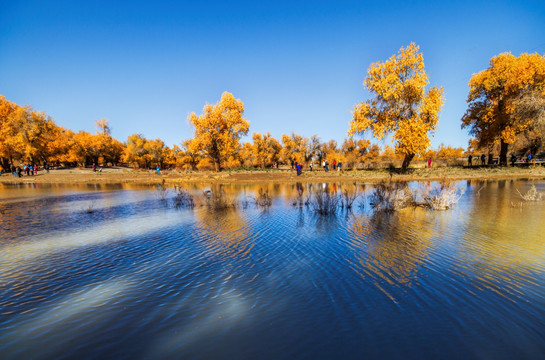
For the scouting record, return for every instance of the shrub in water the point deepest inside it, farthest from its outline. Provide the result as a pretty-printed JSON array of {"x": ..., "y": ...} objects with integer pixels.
[
  {"x": 391, "y": 196},
  {"x": 324, "y": 203}
]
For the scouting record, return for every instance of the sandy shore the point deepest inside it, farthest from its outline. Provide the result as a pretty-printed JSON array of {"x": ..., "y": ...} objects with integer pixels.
[{"x": 130, "y": 176}]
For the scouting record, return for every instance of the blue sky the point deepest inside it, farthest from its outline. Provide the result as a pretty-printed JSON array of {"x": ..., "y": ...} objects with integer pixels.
[{"x": 297, "y": 65}]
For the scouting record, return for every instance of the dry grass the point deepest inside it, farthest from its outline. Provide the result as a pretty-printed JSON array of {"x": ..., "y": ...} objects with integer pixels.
[
  {"x": 130, "y": 176},
  {"x": 183, "y": 199},
  {"x": 348, "y": 198},
  {"x": 162, "y": 190},
  {"x": 301, "y": 199},
  {"x": 391, "y": 196},
  {"x": 443, "y": 197},
  {"x": 325, "y": 203},
  {"x": 218, "y": 200},
  {"x": 532, "y": 194}
]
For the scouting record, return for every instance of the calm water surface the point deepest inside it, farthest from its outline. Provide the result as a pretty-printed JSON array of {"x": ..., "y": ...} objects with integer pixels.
[{"x": 118, "y": 272}]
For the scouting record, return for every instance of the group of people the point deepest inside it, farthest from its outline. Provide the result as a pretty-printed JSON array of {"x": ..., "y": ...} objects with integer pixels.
[
  {"x": 29, "y": 169},
  {"x": 336, "y": 165},
  {"x": 512, "y": 159},
  {"x": 470, "y": 159},
  {"x": 325, "y": 165}
]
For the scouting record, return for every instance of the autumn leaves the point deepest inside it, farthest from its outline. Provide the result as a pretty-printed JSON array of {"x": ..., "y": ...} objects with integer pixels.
[
  {"x": 506, "y": 103},
  {"x": 218, "y": 129},
  {"x": 399, "y": 104}
]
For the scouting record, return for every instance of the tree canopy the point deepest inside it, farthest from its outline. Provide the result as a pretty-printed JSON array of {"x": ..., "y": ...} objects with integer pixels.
[
  {"x": 506, "y": 100},
  {"x": 399, "y": 103},
  {"x": 219, "y": 128}
]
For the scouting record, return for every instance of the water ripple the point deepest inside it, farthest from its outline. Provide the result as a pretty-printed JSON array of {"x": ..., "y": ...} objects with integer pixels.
[{"x": 145, "y": 280}]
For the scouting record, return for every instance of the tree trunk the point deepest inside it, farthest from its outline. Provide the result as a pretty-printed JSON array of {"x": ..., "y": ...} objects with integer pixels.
[
  {"x": 406, "y": 161},
  {"x": 503, "y": 152},
  {"x": 217, "y": 165},
  {"x": 5, "y": 163}
]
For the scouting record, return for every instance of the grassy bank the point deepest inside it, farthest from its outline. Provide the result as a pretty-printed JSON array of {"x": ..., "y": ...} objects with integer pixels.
[{"x": 126, "y": 175}]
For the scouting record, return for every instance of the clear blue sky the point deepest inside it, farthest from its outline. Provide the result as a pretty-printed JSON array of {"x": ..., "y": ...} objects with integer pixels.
[{"x": 296, "y": 65}]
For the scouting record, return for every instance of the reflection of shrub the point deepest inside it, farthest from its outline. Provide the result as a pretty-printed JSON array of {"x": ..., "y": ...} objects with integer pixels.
[
  {"x": 532, "y": 194},
  {"x": 391, "y": 196},
  {"x": 324, "y": 203},
  {"x": 263, "y": 199},
  {"x": 347, "y": 198},
  {"x": 443, "y": 197}
]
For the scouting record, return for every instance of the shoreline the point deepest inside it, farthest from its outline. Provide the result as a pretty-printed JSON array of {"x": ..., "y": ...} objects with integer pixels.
[{"x": 144, "y": 177}]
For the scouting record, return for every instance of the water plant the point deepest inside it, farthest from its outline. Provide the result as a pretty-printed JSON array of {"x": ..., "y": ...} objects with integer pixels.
[
  {"x": 443, "y": 197},
  {"x": 183, "y": 199},
  {"x": 348, "y": 198},
  {"x": 91, "y": 207},
  {"x": 391, "y": 196},
  {"x": 532, "y": 194},
  {"x": 162, "y": 190},
  {"x": 218, "y": 200},
  {"x": 324, "y": 202}
]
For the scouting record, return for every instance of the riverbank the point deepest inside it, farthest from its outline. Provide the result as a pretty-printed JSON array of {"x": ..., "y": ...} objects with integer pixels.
[{"x": 131, "y": 176}]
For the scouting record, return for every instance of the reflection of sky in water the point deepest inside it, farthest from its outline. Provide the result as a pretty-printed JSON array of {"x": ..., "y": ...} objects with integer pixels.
[{"x": 137, "y": 278}]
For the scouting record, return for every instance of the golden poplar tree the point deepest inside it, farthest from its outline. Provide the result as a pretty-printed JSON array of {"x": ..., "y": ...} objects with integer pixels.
[
  {"x": 266, "y": 149},
  {"x": 506, "y": 100},
  {"x": 294, "y": 148},
  {"x": 219, "y": 128},
  {"x": 399, "y": 103},
  {"x": 10, "y": 144}
]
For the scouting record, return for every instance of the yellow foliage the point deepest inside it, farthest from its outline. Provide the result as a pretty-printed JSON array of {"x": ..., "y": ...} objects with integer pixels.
[
  {"x": 399, "y": 103},
  {"x": 449, "y": 152},
  {"x": 294, "y": 149},
  {"x": 266, "y": 149},
  {"x": 498, "y": 107},
  {"x": 145, "y": 153},
  {"x": 219, "y": 128}
]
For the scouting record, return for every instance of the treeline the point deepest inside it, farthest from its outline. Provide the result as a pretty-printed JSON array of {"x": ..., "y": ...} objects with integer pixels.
[
  {"x": 506, "y": 112},
  {"x": 28, "y": 136}
]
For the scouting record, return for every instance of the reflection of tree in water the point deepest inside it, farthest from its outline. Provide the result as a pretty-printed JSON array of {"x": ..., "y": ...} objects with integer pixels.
[
  {"x": 388, "y": 247},
  {"x": 224, "y": 232},
  {"x": 502, "y": 244}
]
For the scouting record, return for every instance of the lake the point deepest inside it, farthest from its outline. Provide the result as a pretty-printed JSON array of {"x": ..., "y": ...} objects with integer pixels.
[{"x": 112, "y": 271}]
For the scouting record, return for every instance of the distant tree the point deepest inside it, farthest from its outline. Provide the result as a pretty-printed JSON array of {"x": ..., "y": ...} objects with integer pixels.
[
  {"x": 10, "y": 144},
  {"x": 354, "y": 151},
  {"x": 312, "y": 148},
  {"x": 330, "y": 152},
  {"x": 506, "y": 100},
  {"x": 266, "y": 149},
  {"x": 399, "y": 103},
  {"x": 135, "y": 151},
  {"x": 248, "y": 155},
  {"x": 294, "y": 148},
  {"x": 219, "y": 128},
  {"x": 190, "y": 155},
  {"x": 449, "y": 152},
  {"x": 102, "y": 126}
]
